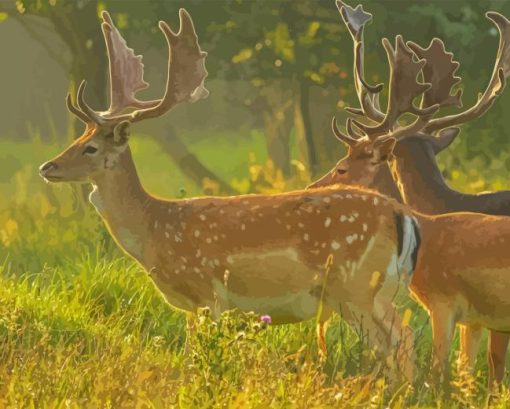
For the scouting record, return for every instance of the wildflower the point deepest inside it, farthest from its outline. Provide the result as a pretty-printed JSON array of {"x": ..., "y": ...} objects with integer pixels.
[
  {"x": 266, "y": 319},
  {"x": 206, "y": 311}
]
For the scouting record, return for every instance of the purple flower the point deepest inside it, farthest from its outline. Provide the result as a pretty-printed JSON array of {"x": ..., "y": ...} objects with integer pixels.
[{"x": 266, "y": 319}]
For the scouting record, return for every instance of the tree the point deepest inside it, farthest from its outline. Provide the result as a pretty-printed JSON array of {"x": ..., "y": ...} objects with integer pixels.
[
  {"x": 287, "y": 47},
  {"x": 76, "y": 27}
]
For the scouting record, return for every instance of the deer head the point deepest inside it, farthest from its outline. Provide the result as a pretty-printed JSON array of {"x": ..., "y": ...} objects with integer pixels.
[
  {"x": 106, "y": 133},
  {"x": 361, "y": 164},
  {"x": 369, "y": 141}
]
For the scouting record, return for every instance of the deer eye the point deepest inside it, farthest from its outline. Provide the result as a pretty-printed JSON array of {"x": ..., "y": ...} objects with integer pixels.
[
  {"x": 89, "y": 150},
  {"x": 341, "y": 171}
]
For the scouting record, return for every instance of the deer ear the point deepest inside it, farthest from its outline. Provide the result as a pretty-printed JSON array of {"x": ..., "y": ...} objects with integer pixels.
[
  {"x": 383, "y": 150},
  {"x": 444, "y": 139},
  {"x": 121, "y": 133}
]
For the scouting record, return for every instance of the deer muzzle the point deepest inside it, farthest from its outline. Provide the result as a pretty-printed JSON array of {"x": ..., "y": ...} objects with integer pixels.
[{"x": 46, "y": 171}]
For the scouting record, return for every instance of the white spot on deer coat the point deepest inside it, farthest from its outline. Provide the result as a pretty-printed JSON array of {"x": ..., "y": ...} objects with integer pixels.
[
  {"x": 327, "y": 222},
  {"x": 335, "y": 245},
  {"x": 351, "y": 238}
]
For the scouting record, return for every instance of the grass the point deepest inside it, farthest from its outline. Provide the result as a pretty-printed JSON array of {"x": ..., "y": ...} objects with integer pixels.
[{"x": 81, "y": 325}]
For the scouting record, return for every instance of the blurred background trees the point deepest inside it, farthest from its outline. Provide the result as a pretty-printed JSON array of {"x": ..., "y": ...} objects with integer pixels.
[{"x": 278, "y": 71}]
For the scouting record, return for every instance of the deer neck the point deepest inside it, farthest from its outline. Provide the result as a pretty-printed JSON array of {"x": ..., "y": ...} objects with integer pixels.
[
  {"x": 121, "y": 201},
  {"x": 385, "y": 184},
  {"x": 419, "y": 179}
]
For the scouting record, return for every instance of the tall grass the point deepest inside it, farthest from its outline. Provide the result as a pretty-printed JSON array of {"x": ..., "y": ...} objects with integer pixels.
[{"x": 81, "y": 325}]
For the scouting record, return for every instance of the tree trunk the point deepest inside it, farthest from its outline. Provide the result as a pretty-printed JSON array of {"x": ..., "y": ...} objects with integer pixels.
[
  {"x": 277, "y": 139},
  {"x": 299, "y": 129},
  {"x": 304, "y": 104},
  {"x": 192, "y": 167},
  {"x": 79, "y": 29},
  {"x": 278, "y": 124}
]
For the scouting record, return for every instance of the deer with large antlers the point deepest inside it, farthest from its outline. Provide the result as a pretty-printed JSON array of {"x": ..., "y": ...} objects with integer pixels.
[
  {"x": 256, "y": 253},
  {"x": 401, "y": 163}
]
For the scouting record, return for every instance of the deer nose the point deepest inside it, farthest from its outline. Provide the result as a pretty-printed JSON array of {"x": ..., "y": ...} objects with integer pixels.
[{"x": 46, "y": 167}]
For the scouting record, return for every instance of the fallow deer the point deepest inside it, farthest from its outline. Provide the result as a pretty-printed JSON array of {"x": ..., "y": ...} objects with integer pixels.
[
  {"x": 418, "y": 179},
  {"x": 262, "y": 253}
]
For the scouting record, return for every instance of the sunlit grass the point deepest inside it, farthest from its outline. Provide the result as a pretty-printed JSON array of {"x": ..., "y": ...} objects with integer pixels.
[{"x": 81, "y": 325}]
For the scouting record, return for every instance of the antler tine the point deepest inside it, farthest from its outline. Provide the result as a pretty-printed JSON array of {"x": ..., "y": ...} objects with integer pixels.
[
  {"x": 125, "y": 71},
  {"x": 355, "y": 20},
  {"x": 496, "y": 84},
  {"x": 186, "y": 71},
  {"x": 352, "y": 131},
  {"x": 439, "y": 70},
  {"x": 88, "y": 111},
  {"x": 404, "y": 88},
  {"x": 74, "y": 110},
  {"x": 345, "y": 138}
]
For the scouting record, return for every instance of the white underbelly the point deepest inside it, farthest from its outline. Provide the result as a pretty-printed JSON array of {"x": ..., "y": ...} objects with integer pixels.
[
  {"x": 498, "y": 319},
  {"x": 287, "y": 307},
  {"x": 501, "y": 324},
  {"x": 274, "y": 282}
]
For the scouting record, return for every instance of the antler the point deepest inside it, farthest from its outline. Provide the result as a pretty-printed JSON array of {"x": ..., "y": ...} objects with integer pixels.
[
  {"x": 185, "y": 80},
  {"x": 125, "y": 68},
  {"x": 496, "y": 84},
  {"x": 351, "y": 138},
  {"x": 404, "y": 88},
  {"x": 439, "y": 70},
  {"x": 355, "y": 20}
]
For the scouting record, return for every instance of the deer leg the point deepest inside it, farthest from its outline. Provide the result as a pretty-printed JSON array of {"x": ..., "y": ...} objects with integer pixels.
[
  {"x": 443, "y": 327},
  {"x": 498, "y": 343},
  {"x": 400, "y": 337},
  {"x": 469, "y": 344},
  {"x": 360, "y": 317},
  {"x": 371, "y": 332}
]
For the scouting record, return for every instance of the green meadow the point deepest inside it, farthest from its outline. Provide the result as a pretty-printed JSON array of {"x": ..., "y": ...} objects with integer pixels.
[{"x": 82, "y": 326}]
